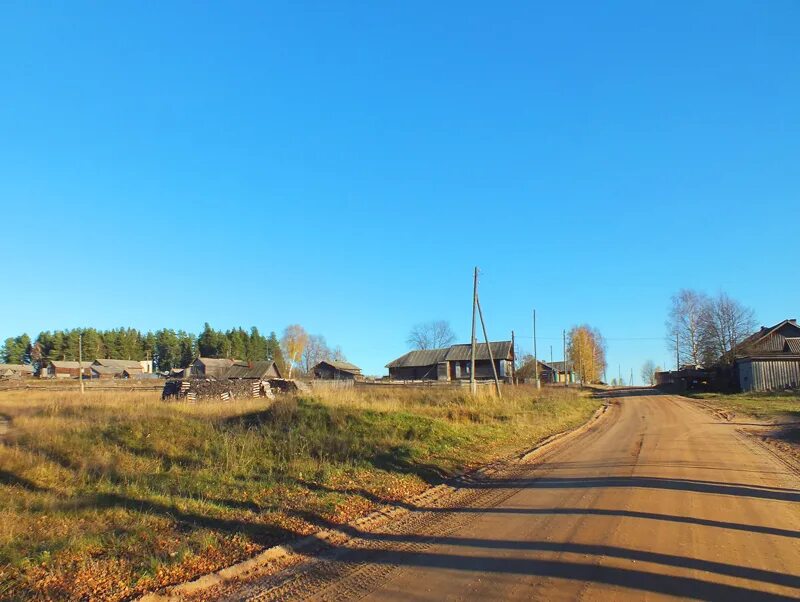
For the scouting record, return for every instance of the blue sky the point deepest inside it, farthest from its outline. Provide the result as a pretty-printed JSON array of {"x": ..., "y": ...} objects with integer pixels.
[{"x": 345, "y": 165}]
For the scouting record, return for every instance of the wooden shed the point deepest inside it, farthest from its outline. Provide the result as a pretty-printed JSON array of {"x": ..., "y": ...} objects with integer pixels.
[
  {"x": 117, "y": 368},
  {"x": 257, "y": 370},
  {"x": 337, "y": 370}
]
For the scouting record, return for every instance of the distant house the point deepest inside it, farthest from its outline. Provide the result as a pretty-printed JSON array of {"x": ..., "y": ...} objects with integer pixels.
[
  {"x": 15, "y": 370},
  {"x": 453, "y": 363},
  {"x": 562, "y": 372},
  {"x": 769, "y": 360},
  {"x": 104, "y": 372},
  {"x": 67, "y": 369},
  {"x": 257, "y": 370},
  {"x": 117, "y": 368},
  {"x": 337, "y": 370},
  {"x": 211, "y": 367}
]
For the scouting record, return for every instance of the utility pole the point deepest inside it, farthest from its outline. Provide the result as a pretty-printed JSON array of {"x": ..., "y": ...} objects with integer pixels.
[
  {"x": 472, "y": 385},
  {"x": 80, "y": 360},
  {"x": 535, "y": 355},
  {"x": 677, "y": 353},
  {"x": 566, "y": 378},
  {"x": 488, "y": 348},
  {"x": 631, "y": 377},
  {"x": 551, "y": 354},
  {"x": 513, "y": 363},
  {"x": 619, "y": 367}
]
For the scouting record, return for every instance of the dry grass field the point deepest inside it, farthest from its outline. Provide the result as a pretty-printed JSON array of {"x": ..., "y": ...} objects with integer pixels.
[{"x": 112, "y": 494}]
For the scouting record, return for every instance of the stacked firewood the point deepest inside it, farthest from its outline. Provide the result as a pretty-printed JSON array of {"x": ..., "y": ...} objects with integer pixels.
[{"x": 207, "y": 389}]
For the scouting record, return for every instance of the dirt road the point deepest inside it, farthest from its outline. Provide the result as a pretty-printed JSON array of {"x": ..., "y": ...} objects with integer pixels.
[{"x": 658, "y": 500}]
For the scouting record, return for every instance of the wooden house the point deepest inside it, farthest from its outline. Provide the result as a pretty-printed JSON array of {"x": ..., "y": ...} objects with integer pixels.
[
  {"x": 562, "y": 372},
  {"x": 67, "y": 369},
  {"x": 769, "y": 360},
  {"x": 15, "y": 370},
  {"x": 116, "y": 368},
  {"x": 337, "y": 370},
  {"x": 454, "y": 363},
  {"x": 255, "y": 370},
  {"x": 211, "y": 367}
]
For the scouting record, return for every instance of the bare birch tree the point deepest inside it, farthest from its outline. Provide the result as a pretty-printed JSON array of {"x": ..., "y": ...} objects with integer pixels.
[
  {"x": 685, "y": 326},
  {"x": 431, "y": 335},
  {"x": 316, "y": 350},
  {"x": 649, "y": 373},
  {"x": 725, "y": 324}
]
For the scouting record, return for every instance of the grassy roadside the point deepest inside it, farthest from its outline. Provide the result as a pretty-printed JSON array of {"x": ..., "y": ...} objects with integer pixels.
[
  {"x": 778, "y": 407},
  {"x": 113, "y": 494}
]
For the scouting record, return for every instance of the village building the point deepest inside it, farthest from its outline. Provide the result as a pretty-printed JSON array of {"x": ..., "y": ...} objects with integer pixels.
[
  {"x": 255, "y": 370},
  {"x": 67, "y": 369},
  {"x": 562, "y": 372},
  {"x": 111, "y": 368},
  {"x": 15, "y": 370},
  {"x": 336, "y": 370},
  {"x": 454, "y": 363},
  {"x": 769, "y": 360},
  {"x": 210, "y": 367}
]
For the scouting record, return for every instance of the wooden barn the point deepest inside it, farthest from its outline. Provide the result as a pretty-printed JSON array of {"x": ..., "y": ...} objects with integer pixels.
[
  {"x": 337, "y": 370},
  {"x": 769, "y": 360},
  {"x": 67, "y": 369},
  {"x": 109, "y": 368},
  {"x": 453, "y": 363},
  {"x": 211, "y": 367},
  {"x": 258, "y": 370}
]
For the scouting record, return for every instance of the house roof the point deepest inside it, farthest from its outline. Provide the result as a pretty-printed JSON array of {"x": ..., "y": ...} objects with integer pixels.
[
  {"x": 120, "y": 364},
  {"x": 771, "y": 339},
  {"x": 16, "y": 368},
  {"x": 105, "y": 370},
  {"x": 501, "y": 350},
  {"x": 258, "y": 369},
  {"x": 559, "y": 366},
  {"x": 419, "y": 357},
  {"x": 69, "y": 364},
  {"x": 216, "y": 362},
  {"x": 339, "y": 365}
]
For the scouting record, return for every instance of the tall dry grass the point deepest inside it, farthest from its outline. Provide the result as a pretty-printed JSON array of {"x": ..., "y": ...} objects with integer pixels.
[{"x": 109, "y": 494}]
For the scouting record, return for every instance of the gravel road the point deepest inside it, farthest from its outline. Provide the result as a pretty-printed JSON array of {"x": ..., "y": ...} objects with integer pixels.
[{"x": 658, "y": 500}]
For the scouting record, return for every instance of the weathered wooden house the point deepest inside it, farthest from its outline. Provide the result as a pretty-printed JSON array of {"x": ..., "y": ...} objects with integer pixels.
[
  {"x": 337, "y": 370},
  {"x": 257, "y": 370},
  {"x": 769, "y": 360},
  {"x": 67, "y": 369},
  {"x": 453, "y": 363},
  {"x": 211, "y": 367},
  {"x": 115, "y": 368},
  {"x": 15, "y": 370}
]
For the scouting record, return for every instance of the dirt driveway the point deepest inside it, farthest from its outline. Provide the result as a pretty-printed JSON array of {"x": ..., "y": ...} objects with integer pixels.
[{"x": 658, "y": 500}]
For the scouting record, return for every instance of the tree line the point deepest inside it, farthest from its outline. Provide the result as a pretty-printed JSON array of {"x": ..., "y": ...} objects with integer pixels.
[{"x": 168, "y": 348}]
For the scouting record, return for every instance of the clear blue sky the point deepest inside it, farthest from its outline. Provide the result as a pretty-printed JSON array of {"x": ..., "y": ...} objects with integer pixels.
[{"x": 345, "y": 165}]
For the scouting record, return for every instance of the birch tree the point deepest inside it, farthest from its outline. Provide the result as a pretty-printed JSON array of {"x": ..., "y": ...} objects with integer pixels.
[
  {"x": 293, "y": 343},
  {"x": 685, "y": 326}
]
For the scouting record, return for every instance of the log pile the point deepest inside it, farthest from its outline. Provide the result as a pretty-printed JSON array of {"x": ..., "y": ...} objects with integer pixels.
[{"x": 207, "y": 389}]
